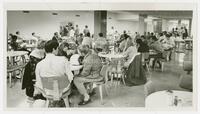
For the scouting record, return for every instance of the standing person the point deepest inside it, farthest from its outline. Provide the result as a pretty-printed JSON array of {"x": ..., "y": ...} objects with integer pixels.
[
  {"x": 77, "y": 30},
  {"x": 29, "y": 74},
  {"x": 35, "y": 38},
  {"x": 86, "y": 30},
  {"x": 13, "y": 43},
  {"x": 71, "y": 32},
  {"x": 65, "y": 30},
  {"x": 55, "y": 36},
  {"x": 79, "y": 39}
]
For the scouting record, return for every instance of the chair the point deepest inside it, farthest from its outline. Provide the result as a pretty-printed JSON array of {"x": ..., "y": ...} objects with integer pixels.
[
  {"x": 149, "y": 88},
  {"x": 102, "y": 83},
  {"x": 186, "y": 82},
  {"x": 11, "y": 71},
  {"x": 145, "y": 60},
  {"x": 116, "y": 70},
  {"x": 56, "y": 88}
]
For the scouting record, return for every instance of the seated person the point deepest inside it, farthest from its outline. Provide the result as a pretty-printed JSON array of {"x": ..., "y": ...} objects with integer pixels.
[
  {"x": 87, "y": 40},
  {"x": 63, "y": 50},
  {"x": 90, "y": 73},
  {"x": 157, "y": 47},
  {"x": 102, "y": 42},
  {"x": 52, "y": 65},
  {"x": 129, "y": 53},
  {"x": 142, "y": 47},
  {"x": 29, "y": 74},
  {"x": 168, "y": 42}
]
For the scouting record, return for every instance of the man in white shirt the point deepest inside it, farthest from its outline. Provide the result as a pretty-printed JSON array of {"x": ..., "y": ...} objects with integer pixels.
[
  {"x": 52, "y": 65},
  {"x": 71, "y": 32}
]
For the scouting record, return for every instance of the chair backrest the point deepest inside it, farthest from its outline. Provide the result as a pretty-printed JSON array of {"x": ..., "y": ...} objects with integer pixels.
[
  {"x": 149, "y": 88},
  {"x": 55, "y": 86},
  {"x": 104, "y": 71}
]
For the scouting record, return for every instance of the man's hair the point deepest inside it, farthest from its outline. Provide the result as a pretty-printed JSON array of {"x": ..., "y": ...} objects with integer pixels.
[
  {"x": 86, "y": 26},
  {"x": 84, "y": 49},
  {"x": 33, "y": 33},
  {"x": 55, "y": 33},
  {"x": 88, "y": 34},
  {"x": 17, "y": 32},
  {"x": 168, "y": 35},
  {"x": 153, "y": 38},
  {"x": 100, "y": 34},
  {"x": 50, "y": 45}
]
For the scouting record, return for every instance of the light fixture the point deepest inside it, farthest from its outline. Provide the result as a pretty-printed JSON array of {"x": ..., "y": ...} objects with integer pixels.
[
  {"x": 26, "y": 11},
  {"x": 77, "y": 15},
  {"x": 54, "y": 13}
]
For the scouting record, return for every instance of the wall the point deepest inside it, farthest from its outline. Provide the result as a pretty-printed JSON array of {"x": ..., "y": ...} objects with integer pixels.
[
  {"x": 121, "y": 25},
  {"x": 44, "y": 24}
]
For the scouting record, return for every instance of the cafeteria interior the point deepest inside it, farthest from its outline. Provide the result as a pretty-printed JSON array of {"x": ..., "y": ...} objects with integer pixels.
[{"x": 107, "y": 58}]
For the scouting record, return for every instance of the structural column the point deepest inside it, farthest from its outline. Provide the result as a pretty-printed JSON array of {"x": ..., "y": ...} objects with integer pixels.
[
  {"x": 100, "y": 23},
  {"x": 190, "y": 27},
  {"x": 164, "y": 25},
  {"x": 141, "y": 28}
]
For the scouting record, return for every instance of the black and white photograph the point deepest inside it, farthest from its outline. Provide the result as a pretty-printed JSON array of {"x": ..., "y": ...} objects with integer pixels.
[{"x": 109, "y": 55}]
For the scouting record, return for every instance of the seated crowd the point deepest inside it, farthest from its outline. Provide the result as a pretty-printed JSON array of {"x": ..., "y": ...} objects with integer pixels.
[{"x": 51, "y": 58}]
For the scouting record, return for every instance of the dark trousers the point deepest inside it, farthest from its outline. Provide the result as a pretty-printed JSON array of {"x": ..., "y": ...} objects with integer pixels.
[
  {"x": 30, "y": 91},
  {"x": 156, "y": 59}
]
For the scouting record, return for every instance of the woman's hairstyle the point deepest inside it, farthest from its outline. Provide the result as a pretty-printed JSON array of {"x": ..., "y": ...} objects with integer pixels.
[
  {"x": 139, "y": 41},
  {"x": 61, "y": 51},
  {"x": 41, "y": 44},
  {"x": 63, "y": 45},
  {"x": 84, "y": 49},
  {"x": 50, "y": 45}
]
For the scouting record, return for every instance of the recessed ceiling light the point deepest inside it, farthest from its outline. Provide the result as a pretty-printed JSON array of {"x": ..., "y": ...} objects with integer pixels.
[
  {"x": 54, "y": 13},
  {"x": 77, "y": 15},
  {"x": 26, "y": 11}
]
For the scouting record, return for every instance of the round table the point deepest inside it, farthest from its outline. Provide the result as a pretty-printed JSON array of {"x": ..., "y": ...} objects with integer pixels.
[
  {"x": 12, "y": 63},
  {"x": 16, "y": 53},
  {"x": 76, "y": 67},
  {"x": 188, "y": 44},
  {"x": 11, "y": 55},
  {"x": 111, "y": 55},
  {"x": 160, "y": 99},
  {"x": 30, "y": 47},
  {"x": 179, "y": 45}
]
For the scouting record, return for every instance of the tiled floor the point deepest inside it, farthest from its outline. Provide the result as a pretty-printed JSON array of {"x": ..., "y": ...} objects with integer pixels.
[{"x": 122, "y": 96}]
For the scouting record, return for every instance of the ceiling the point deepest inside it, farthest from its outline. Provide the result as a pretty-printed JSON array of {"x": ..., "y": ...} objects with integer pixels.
[{"x": 160, "y": 14}]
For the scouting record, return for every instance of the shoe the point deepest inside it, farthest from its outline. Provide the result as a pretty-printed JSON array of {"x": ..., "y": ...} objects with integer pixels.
[
  {"x": 92, "y": 93},
  {"x": 85, "y": 102}
]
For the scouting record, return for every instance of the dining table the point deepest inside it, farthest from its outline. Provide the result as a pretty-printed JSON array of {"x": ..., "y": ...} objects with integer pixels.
[
  {"x": 12, "y": 56},
  {"x": 112, "y": 55},
  {"x": 164, "y": 99}
]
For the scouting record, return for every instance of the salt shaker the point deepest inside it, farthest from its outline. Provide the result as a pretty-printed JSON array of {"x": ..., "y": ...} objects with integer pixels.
[
  {"x": 176, "y": 101},
  {"x": 170, "y": 100},
  {"x": 179, "y": 103}
]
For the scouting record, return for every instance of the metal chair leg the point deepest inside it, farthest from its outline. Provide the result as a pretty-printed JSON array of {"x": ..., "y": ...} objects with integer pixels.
[{"x": 101, "y": 94}]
